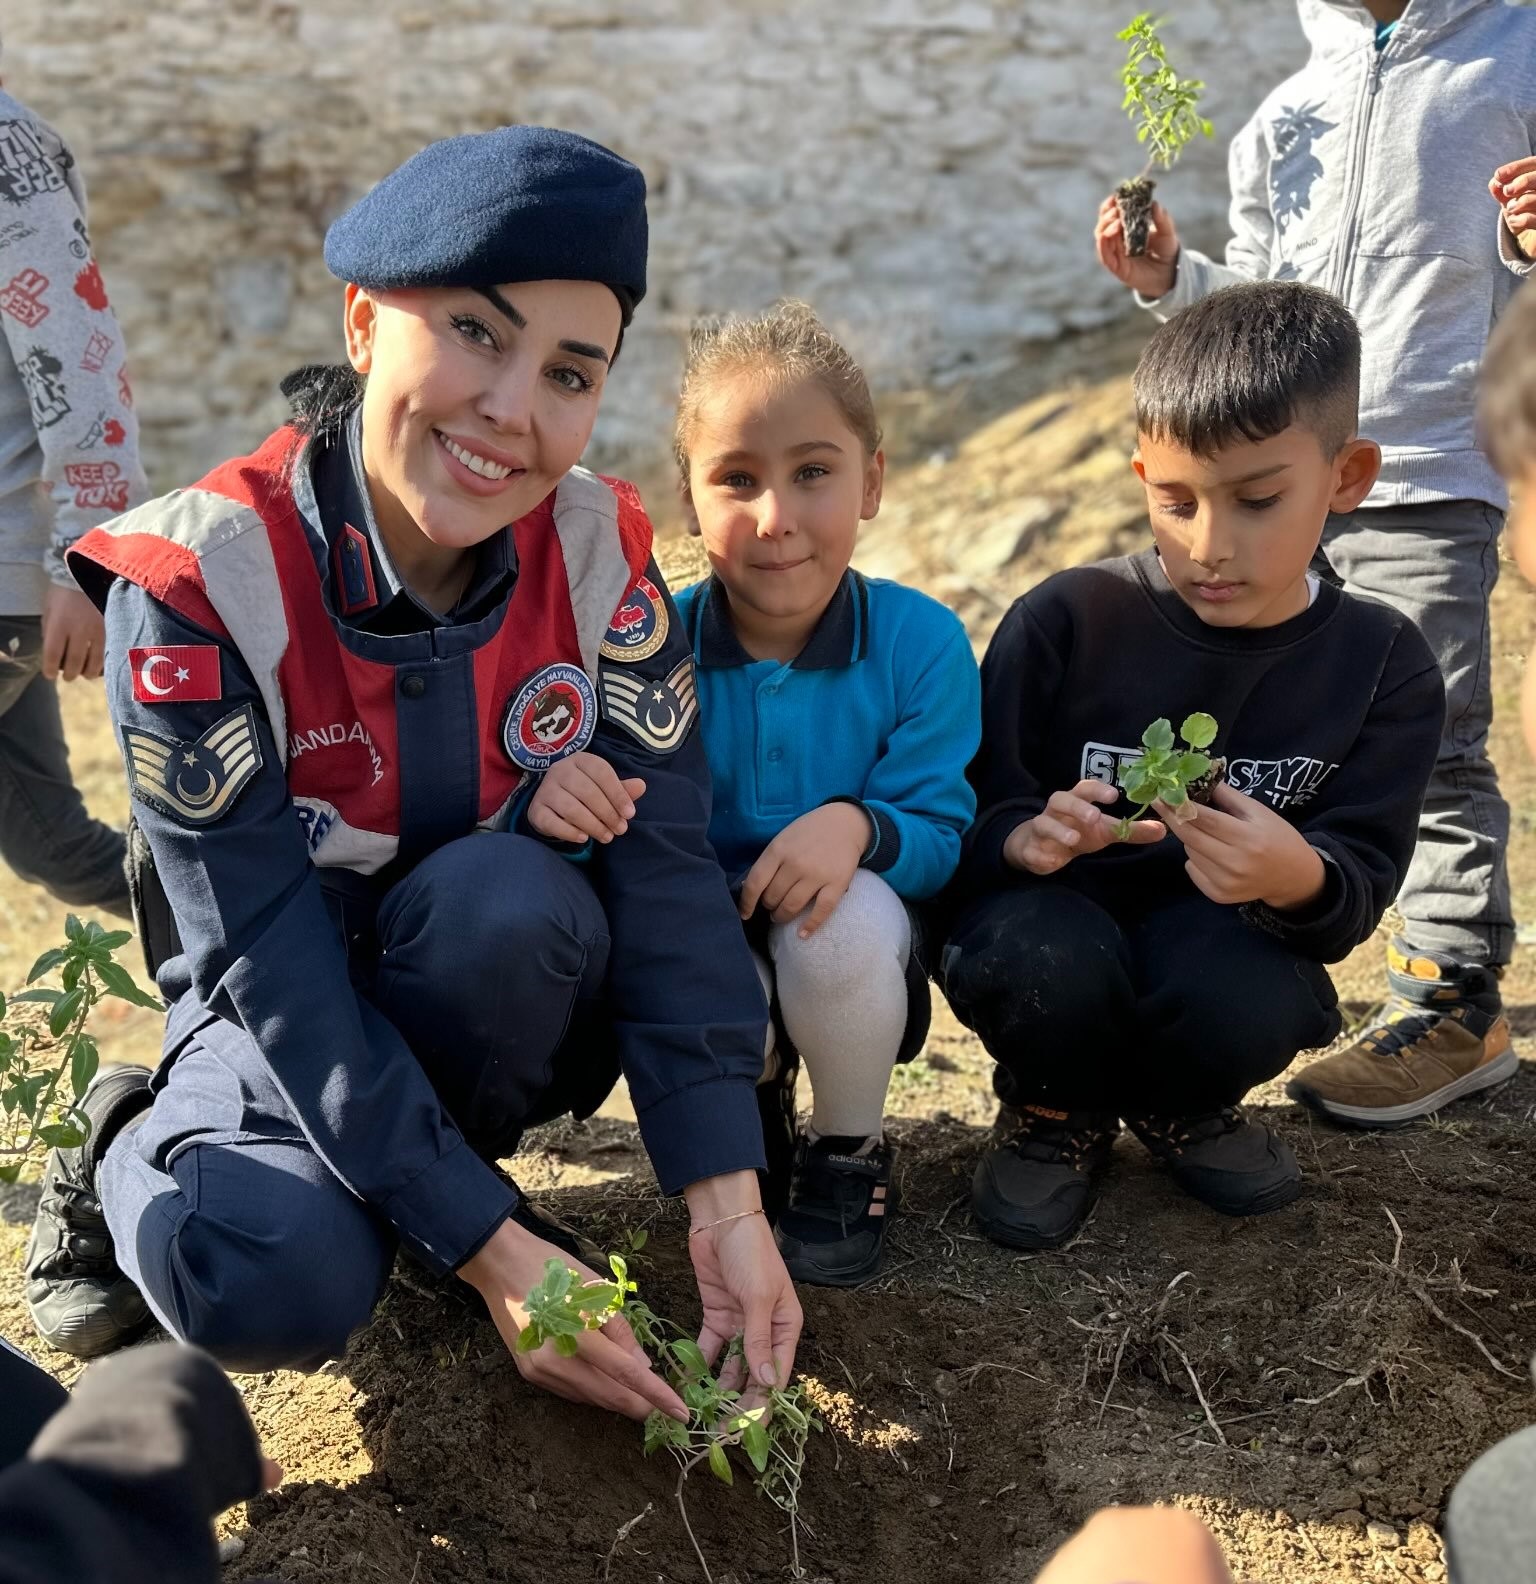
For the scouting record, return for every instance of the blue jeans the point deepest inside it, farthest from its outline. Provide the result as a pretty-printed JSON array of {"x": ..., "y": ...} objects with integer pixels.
[
  {"x": 46, "y": 835},
  {"x": 492, "y": 958}
]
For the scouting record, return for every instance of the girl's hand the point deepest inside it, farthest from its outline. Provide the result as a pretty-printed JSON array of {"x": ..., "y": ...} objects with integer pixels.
[
  {"x": 1154, "y": 272},
  {"x": 1071, "y": 825},
  {"x": 581, "y": 798},
  {"x": 1240, "y": 850},
  {"x": 744, "y": 1289},
  {"x": 812, "y": 860}
]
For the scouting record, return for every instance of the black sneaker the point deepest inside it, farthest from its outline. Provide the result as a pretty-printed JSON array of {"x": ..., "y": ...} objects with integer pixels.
[
  {"x": 1239, "y": 1167},
  {"x": 776, "y": 1109},
  {"x": 841, "y": 1200},
  {"x": 1036, "y": 1188},
  {"x": 81, "y": 1303}
]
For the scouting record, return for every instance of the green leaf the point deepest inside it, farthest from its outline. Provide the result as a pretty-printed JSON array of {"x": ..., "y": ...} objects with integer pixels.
[
  {"x": 9, "y": 1173},
  {"x": 720, "y": 1464},
  {"x": 1175, "y": 796},
  {"x": 1198, "y": 730},
  {"x": 567, "y": 1346},
  {"x": 112, "y": 939},
  {"x": 529, "y": 1339},
  {"x": 72, "y": 971},
  {"x": 42, "y": 997},
  {"x": 638, "y": 1240},
  {"x": 61, "y": 1135},
  {"x": 47, "y": 962},
  {"x": 619, "y": 1268},
  {"x": 65, "y": 1011},
  {"x": 754, "y": 1442},
  {"x": 1192, "y": 766},
  {"x": 117, "y": 981},
  {"x": 84, "y": 1059},
  {"x": 1158, "y": 735},
  {"x": 689, "y": 1356},
  {"x": 74, "y": 929}
]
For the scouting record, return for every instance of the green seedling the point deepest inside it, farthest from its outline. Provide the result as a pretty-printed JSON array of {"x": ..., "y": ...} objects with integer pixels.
[
  {"x": 1166, "y": 773},
  {"x": 772, "y": 1436},
  {"x": 1163, "y": 105},
  {"x": 45, "y": 1054}
]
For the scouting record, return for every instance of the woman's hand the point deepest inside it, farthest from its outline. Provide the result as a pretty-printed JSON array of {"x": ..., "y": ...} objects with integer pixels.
[
  {"x": 609, "y": 1368},
  {"x": 744, "y": 1289},
  {"x": 581, "y": 798}
]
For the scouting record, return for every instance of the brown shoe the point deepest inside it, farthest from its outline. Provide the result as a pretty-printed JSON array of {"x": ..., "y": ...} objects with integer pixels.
[{"x": 1441, "y": 1035}]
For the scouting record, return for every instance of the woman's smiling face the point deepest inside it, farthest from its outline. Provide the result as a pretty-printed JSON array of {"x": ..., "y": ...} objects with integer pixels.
[{"x": 478, "y": 401}]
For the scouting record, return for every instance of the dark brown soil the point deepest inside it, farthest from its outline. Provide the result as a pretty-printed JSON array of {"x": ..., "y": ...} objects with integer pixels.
[{"x": 1134, "y": 199}]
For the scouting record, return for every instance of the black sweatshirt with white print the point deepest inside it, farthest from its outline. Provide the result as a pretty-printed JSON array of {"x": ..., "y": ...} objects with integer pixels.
[{"x": 1333, "y": 718}]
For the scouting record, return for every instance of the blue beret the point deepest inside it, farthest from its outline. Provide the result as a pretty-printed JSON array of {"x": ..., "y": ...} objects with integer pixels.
[{"x": 521, "y": 203}]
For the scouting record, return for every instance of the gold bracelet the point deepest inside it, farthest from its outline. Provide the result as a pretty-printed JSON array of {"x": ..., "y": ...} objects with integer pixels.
[{"x": 739, "y": 1216}]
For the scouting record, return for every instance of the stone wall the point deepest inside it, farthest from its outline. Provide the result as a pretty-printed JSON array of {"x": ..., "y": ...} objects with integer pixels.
[{"x": 924, "y": 171}]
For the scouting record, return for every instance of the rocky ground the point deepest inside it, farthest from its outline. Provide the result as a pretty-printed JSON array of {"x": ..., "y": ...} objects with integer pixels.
[{"x": 1312, "y": 1384}]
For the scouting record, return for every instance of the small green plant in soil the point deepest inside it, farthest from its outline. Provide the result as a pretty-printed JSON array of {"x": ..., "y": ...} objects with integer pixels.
[
  {"x": 1168, "y": 774},
  {"x": 1163, "y": 104},
  {"x": 771, "y": 1436},
  {"x": 46, "y": 1057}
]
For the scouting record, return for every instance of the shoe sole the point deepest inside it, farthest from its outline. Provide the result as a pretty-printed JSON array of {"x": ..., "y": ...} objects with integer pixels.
[
  {"x": 1502, "y": 1068},
  {"x": 1011, "y": 1236},
  {"x": 1276, "y": 1198}
]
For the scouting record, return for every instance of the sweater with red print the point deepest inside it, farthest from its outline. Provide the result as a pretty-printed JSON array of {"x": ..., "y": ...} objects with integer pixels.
[{"x": 69, "y": 441}]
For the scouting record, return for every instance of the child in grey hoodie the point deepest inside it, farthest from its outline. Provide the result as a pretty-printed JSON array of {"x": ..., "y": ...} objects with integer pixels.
[
  {"x": 69, "y": 460},
  {"x": 1368, "y": 172}
]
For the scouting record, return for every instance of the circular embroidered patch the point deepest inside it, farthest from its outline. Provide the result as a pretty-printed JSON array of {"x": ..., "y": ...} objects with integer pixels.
[
  {"x": 553, "y": 714},
  {"x": 639, "y": 626}
]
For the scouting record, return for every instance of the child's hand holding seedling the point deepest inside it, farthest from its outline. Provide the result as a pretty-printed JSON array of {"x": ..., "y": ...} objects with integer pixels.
[
  {"x": 1151, "y": 272},
  {"x": 1514, "y": 189},
  {"x": 1072, "y": 825},
  {"x": 811, "y": 861},
  {"x": 1241, "y": 850},
  {"x": 581, "y": 798}
]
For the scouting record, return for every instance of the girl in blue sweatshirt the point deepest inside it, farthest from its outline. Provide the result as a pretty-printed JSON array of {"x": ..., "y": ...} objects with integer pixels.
[{"x": 839, "y": 714}]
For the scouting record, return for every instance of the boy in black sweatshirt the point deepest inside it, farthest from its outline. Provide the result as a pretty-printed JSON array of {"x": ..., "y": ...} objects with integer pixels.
[{"x": 1159, "y": 978}]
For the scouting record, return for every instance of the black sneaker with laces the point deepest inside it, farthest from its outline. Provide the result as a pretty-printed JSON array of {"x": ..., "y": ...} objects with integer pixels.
[
  {"x": 1035, "y": 1189},
  {"x": 841, "y": 1200},
  {"x": 1223, "y": 1159},
  {"x": 80, "y": 1301}
]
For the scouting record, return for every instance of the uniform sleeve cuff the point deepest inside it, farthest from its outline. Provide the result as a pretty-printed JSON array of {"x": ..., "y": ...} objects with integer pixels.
[
  {"x": 885, "y": 836},
  {"x": 446, "y": 1213},
  {"x": 1317, "y": 922},
  {"x": 702, "y": 1131}
]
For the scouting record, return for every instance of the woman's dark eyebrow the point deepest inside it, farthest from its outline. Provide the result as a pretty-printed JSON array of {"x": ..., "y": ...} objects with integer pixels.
[{"x": 580, "y": 348}]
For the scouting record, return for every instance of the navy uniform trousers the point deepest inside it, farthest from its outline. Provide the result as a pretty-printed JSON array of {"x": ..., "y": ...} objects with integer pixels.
[{"x": 490, "y": 958}]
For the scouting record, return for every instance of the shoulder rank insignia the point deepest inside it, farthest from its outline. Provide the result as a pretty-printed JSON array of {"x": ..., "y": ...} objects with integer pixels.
[
  {"x": 194, "y": 782},
  {"x": 655, "y": 711}
]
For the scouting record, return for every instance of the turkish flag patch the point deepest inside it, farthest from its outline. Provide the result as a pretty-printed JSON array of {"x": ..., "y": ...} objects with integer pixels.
[{"x": 176, "y": 674}]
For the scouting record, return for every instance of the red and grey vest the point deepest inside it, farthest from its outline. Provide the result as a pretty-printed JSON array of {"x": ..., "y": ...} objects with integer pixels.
[{"x": 234, "y": 555}]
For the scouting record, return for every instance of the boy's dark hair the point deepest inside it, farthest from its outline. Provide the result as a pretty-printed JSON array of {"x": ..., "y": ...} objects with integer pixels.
[
  {"x": 1248, "y": 362},
  {"x": 1506, "y": 410}
]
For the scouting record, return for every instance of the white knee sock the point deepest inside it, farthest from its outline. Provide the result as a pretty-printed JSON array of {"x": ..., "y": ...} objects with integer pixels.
[{"x": 843, "y": 995}]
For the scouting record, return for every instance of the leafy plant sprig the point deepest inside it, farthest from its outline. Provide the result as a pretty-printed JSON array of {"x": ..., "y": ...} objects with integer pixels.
[
  {"x": 1155, "y": 94},
  {"x": 38, "y": 1051},
  {"x": 773, "y": 1436},
  {"x": 1164, "y": 772}
]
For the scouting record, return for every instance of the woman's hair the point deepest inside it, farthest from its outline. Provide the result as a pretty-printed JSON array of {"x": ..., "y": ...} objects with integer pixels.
[
  {"x": 785, "y": 345},
  {"x": 322, "y": 397}
]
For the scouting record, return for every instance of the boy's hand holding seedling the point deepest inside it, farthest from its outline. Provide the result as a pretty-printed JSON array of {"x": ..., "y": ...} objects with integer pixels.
[
  {"x": 1072, "y": 825},
  {"x": 1152, "y": 273},
  {"x": 1241, "y": 850},
  {"x": 581, "y": 798},
  {"x": 811, "y": 861}
]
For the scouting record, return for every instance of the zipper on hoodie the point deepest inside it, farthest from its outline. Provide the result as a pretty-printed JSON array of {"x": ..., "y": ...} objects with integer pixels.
[{"x": 1349, "y": 230}]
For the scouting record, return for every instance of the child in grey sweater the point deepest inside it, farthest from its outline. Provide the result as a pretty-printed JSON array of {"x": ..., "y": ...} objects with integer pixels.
[
  {"x": 1365, "y": 173},
  {"x": 69, "y": 460}
]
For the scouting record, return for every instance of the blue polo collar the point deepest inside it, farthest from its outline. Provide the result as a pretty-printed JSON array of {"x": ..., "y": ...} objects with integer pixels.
[{"x": 840, "y": 638}]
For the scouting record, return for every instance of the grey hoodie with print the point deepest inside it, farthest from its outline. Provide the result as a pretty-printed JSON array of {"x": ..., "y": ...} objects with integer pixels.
[
  {"x": 69, "y": 441},
  {"x": 1367, "y": 173}
]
